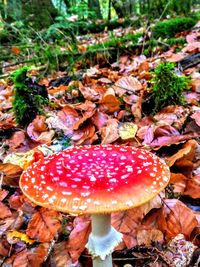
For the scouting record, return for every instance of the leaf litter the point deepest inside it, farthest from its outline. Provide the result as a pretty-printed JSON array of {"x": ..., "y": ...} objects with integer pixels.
[{"x": 104, "y": 107}]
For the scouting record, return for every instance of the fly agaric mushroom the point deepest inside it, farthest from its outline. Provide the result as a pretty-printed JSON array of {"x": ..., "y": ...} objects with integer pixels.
[{"x": 96, "y": 180}]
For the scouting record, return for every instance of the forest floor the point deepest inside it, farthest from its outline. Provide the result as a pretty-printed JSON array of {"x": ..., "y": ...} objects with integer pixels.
[{"x": 106, "y": 103}]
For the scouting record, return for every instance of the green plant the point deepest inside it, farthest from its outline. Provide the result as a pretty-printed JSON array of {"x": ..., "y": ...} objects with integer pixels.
[
  {"x": 27, "y": 101},
  {"x": 167, "y": 87},
  {"x": 168, "y": 28}
]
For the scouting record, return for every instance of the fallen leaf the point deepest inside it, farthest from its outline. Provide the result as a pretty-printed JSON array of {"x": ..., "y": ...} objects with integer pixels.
[
  {"x": 79, "y": 236},
  {"x": 16, "y": 140},
  {"x": 5, "y": 211},
  {"x": 4, "y": 247},
  {"x": 193, "y": 187},
  {"x": 60, "y": 256},
  {"x": 127, "y": 84},
  {"x": 146, "y": 237},
  {"x": 99, "y": 119},
  {"x": 196, "y": 117},
  {"x": 187, "y": 152},
  {"x": 14, "y": 235},
  {"x": 11, "y": 173},
  {"x": 171, "y": 140},
  {"x": 175, "y": 218},
  {"x": 127, "y": 222},
  {"x": 110, "y": 132},
  {"x": 33, "y": 257},
  {"x": 15, "y": 50},
  {"x": 127, "y": 130},
  {"x": 44, "y": 225}
]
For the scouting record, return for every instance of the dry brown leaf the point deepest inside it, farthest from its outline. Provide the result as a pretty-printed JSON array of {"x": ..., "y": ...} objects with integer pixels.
[
  {"x": 60, "y": 256},
  {"x": 11, "y": 173},
  {"x": 110, "y": 132},
  {"x": 193, "y": 47},
  {"x": 171, "y": 140},
  {"x": 3, "y": 194},
  {"x": 44, "y": 225},
  {"x": 79, "y": 236},
  {"x": 179, "y": 182},
  {"x": 193, "y": 187},
  {"x": 4, "y": 247},
  {"x": 39, "y": 123},
  {"x": 196, "y": 117},
  {"x": 6, "y": 224},
  {"x": 5, "y": 211},
  {"x": 146, "y": 237},
  {"x": 16, "y": 140},
  {"x": 187, "y": 152},
  {"x": 127, "y": 84},
  {"x": 99, "y": 119},
  {"x": 109, "y": 104},
  {"x": 28, "y": 257},
  {"x": 175, "y": 218},
  {"x": 127, "y": 223}
]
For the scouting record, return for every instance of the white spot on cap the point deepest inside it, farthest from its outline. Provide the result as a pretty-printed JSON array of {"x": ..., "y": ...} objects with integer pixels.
[
  {"x": 63, "y": 200},
  {"x": 123, "y": 157},
  {"x": 33, "y": 180},
  {"x": 85, "y": 194},
  {"x": 63, "y": 184},
  {"x": 45, "y": 196},
  {"x": 114, "y": 202},
  {"x": 92, "y": 178},
  {"x": 49, "y": 188},
  {"x": 67, "y": 193},
  {"x": 113, "y": 180},
  {"x": 129, "y": 203},
  {"x": 25, "y": 187},
  {"x": 83, "y": 207},
  {"x": 124, "y": 176}
]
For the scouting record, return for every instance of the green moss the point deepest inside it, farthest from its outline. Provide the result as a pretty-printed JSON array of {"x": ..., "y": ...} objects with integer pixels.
[
  {"x": 27, "y": 103},
  {"x": 116, "y": 41},
  {"x": 167, "y": 87},
  {"x": 169, "y": 28}
]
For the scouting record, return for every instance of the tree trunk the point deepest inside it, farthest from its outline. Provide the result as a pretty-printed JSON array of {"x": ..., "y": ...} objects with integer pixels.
[
  {"x": 94, "y": 6},
  {"x": 38, "y": 14}
]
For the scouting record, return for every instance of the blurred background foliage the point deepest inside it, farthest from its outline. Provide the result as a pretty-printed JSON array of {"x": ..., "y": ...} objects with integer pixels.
[{"x": 40, "y": 31}]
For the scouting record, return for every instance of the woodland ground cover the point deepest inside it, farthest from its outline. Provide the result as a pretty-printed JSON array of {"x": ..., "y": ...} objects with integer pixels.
[{"x": 107, "y": 96}]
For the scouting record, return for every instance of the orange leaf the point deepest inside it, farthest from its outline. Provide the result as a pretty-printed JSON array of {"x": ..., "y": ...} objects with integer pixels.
[
  {"x": 127, "y": 222},
  {"x": 15, "y": 50},
  {"x": 196, "y": 117},
  {"x": 193, "y": 187},
  {"x": 39, "y": 123},
  {"x": 11, "y": 173},
  {"x": 109, "y": 103},
  {"x": 60, "y": 256},
  {"x": 17, "y": 139},
  {"x": 5, "y": 211},
  {"x": 146, "y": 237},
  {"x": 187, "y": 151},
  {"x": 79, "y": 236},
  {"x": 127, "y": 84},
  {"x": 29, "y": 257},
  {"x": 175, "y": 218},
  {"x": 110, "y": 132},
  {"x": 44, "y": 225}
]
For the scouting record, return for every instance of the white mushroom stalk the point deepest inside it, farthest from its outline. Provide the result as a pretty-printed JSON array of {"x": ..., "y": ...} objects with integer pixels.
[{"x": 102, "y": 241}]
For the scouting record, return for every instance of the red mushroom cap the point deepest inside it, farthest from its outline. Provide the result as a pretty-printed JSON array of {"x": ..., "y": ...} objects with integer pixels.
[{"x": 95, "y": 179}]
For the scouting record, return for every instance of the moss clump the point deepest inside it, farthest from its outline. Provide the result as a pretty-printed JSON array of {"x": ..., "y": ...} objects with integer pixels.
[
  {"x": 29, "y": 98},
  {"x": 167, "y": 87},
  {"x": 169, "y": 28}
]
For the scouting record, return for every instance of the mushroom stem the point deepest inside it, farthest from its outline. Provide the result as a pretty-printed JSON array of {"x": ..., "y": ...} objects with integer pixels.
[{"x": 102, "y": 240}]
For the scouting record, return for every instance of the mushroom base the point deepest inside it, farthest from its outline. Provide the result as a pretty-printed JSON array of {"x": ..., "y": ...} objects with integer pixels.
[{"x": 102, "y": 241}]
